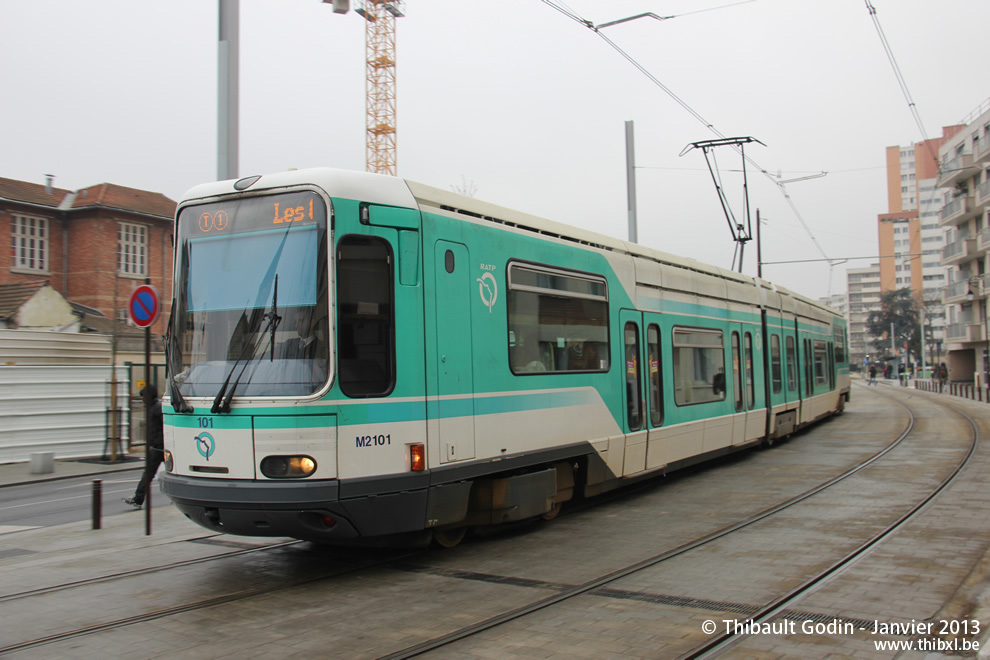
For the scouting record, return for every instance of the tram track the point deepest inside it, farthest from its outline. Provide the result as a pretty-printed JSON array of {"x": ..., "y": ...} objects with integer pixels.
[
  {"x": 721, "y": 642},
  {"x": 716, "y": 644},
  {"x": 567, "y": 592},
  {"x": 148, "y": 570},
  {"x": 195, "y": 605}
]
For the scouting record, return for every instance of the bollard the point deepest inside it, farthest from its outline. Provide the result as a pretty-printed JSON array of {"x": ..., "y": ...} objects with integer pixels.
[
  {"x": 97, "y": 502},
  {"x": 147, "y": 510},
  {"x": 42, "y": 462}
]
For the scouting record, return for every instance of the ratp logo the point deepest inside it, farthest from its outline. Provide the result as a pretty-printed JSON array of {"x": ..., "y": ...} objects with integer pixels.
[
  {"x": 488, "y": 290},
  {"x": 205, "y": 445}
]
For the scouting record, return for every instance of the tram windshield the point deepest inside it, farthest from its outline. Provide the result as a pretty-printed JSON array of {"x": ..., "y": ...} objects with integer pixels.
[{"x": 251, "y": 308}]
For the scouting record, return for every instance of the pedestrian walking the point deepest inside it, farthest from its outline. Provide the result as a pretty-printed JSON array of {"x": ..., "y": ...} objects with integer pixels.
[
  {"x": 873, "y": 375},
  {"x": 943, "y": 375},
  {"x": 156, "y": 444}
]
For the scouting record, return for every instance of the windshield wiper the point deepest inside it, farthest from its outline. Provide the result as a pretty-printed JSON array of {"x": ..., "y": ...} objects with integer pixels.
[
  {"x": 273, "y": 320},
  {"x": 221, "y": 404},
  {"x": 179, "y": 404}
]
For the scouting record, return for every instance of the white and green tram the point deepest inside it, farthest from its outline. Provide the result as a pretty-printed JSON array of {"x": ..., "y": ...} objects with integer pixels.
[{"x": 354, "y": 356}]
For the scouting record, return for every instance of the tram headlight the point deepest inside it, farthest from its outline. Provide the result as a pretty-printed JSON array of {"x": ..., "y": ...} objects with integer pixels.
[
  {"x": 288, "y": 467},
  {"x": 169, "y": 463}
]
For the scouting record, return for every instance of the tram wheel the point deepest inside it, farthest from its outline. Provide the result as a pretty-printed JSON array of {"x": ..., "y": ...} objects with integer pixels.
[
  {"x": 768, "y": 442},
  {"x": 448, "y": 538},
  {"x": 552, "y": 513}
]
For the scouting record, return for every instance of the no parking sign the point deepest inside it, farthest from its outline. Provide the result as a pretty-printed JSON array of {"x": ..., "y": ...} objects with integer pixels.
[{"x": 144, "y": 306}]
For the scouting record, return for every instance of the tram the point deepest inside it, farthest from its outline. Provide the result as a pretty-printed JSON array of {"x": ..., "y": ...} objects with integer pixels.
[{"x": 357, "y": 357}]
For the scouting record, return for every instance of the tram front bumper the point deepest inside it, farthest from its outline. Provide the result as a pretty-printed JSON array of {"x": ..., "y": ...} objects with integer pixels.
[{"x": 298, "y": 509}]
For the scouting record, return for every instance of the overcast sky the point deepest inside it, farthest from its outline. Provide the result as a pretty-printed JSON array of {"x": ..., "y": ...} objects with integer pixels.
[{"x": 515, "y": 100}]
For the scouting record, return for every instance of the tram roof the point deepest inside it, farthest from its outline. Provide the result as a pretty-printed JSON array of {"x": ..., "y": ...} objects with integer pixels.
[{"x": 394, "y": 191}]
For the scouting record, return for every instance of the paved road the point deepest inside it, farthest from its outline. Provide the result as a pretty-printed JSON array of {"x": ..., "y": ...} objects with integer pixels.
[{"x": 68, "y": 500}]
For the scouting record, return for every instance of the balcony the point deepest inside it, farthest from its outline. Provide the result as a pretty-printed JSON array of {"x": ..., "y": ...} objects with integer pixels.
[
  {"x": 957, "y": 292},
  {"x": 983, "y": 241},
  {"x": 959, "y": 252},
  {"x": 963, "y": 332},
  {"x": 982, "y": 150},
  {"x": 958, "y": 211},
  {"x": 954, "y": 170},
  {"x": 983, "y": 194}
]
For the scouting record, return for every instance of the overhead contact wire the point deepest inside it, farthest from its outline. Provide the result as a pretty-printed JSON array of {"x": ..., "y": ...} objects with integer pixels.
[{"x": 694, "y": 113}]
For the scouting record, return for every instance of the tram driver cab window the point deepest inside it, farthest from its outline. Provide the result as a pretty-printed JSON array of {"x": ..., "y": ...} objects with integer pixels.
[
  {"x": 365, "y": 316},
  {"x": 302, "y": 341}
]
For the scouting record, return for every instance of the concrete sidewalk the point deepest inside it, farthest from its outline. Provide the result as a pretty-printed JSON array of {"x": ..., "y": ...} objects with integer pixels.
[{"x": 15, "y": 474}]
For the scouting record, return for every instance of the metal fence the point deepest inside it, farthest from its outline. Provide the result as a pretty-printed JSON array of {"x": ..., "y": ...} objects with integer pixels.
[
  {"x": 65, "y": 410},
  {"x": 964, "y": 390}
]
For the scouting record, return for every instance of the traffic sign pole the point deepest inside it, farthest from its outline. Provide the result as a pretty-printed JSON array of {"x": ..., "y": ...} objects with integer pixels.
[
  {"x": 147, "y": 353},
  {"x": 144, "y": 308},
  {"x": 147, "y": 414}
]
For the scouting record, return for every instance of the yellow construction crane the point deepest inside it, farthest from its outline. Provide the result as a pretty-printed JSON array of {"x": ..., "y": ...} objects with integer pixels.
[{"x": 379, "y": 40}]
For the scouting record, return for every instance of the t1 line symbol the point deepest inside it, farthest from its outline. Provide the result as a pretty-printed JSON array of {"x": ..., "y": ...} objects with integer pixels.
[{"x": 205, "y": 445}]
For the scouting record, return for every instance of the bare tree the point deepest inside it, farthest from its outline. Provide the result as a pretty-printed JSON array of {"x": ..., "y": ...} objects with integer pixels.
[{"x": 467, "y": 189}]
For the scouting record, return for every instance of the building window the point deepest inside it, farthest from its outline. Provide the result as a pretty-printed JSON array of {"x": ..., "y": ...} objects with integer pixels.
[
  {"x": 29, "y": 243},
  {"x": 132, "y": 249}
]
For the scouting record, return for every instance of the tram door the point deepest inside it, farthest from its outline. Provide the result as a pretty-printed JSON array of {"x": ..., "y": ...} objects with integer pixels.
[
  {"x": 747, "y": 422},
  {"x": 737, "y": 380},
  {"x": 455, "y": 371},
  {"x": 634, "y": 373}
]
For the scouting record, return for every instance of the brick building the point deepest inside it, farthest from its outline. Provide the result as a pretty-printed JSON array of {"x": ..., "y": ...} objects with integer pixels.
[{"x": 93, "y": 245}]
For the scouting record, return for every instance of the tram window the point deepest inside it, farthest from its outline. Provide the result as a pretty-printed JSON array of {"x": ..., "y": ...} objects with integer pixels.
[
  {"x": 791, "y": 365},
  {"x": 839, "y": 337},
  {"x": 737, "y": 372},
  {"x": 656, "y": 396},
  {"x": 821, "y": 363},
  {"x": 831, "y": 367},
  {"x": 699, "y": 366},
  {"x": 750, "y": 382},
  {"x": 776, "y": 377},
  {"x": 558, "y": 321},
  {"x": 366, "y": 316},
  {"x": 635, "y": 415}
]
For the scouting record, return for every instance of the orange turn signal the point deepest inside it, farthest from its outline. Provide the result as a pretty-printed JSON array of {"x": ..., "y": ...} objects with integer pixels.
[{"x": 417, "y": 458}]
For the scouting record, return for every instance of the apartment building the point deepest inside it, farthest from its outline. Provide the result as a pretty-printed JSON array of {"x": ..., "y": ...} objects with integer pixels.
[
  {"x": 910, "y": 235},
  {"x": 964, "y": 183},
  {"x": 863, "y": 286}
]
